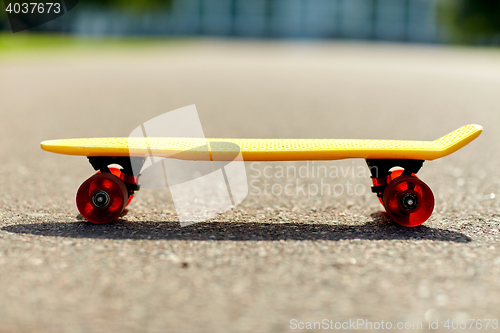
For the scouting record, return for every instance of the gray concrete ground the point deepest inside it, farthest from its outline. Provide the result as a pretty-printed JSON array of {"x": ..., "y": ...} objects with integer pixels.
[{"x": 275, "y": 257}]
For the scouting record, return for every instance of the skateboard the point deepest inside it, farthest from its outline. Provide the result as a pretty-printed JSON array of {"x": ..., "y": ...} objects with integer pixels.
[{"x": 406, "y": 199}]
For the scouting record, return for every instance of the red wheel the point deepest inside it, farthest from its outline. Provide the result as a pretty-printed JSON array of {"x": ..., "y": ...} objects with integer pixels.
[
  {"x": 408, "y": 201},
  {"x": 101, "y": 198},
  {"x": 130, "y": 197},
  {"x": 118, "y": 173}
]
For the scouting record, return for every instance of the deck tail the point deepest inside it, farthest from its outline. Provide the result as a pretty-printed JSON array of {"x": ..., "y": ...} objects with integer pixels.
[{"x": 459, "y": 138}]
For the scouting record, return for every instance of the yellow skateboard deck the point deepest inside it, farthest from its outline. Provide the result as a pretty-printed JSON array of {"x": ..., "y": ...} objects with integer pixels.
[{"x": 266, "y": 149}]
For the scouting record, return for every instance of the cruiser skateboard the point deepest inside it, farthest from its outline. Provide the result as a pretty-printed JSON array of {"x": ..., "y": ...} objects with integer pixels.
[{"x": 407, "y": 200}]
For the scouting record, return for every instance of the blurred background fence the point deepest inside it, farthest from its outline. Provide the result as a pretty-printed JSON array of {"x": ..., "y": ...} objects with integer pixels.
[{"x": 389, "y": 20}]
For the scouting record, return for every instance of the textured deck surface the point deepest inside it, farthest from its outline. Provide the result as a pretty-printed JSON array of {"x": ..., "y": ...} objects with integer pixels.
[{"x": 267, "y": 149}]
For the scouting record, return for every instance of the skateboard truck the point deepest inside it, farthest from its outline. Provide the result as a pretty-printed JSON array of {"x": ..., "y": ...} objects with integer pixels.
[
  {"x": 380, "y": 170},
  {"x": 128, "y": 164}
]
